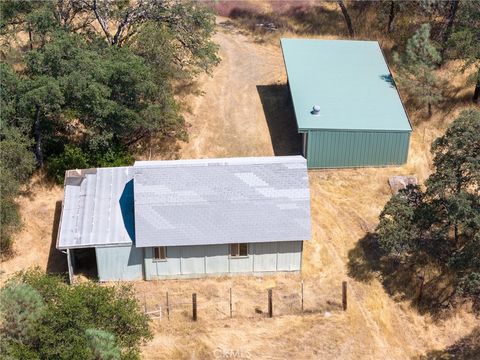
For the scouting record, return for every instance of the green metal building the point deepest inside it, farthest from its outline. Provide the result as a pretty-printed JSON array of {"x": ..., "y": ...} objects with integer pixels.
[{"x": 346, "y": 104}]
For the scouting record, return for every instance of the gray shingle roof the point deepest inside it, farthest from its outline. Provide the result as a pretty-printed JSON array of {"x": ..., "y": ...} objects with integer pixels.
[
  {"x": 97, "y": 208},
  {"x": 215, "y": 201}
]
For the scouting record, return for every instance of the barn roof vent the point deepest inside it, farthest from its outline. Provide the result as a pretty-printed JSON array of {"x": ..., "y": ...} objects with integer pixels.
[{"x": 316, "y": 110}]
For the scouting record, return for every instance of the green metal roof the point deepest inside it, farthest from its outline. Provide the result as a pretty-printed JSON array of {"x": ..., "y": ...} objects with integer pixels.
[{"x": 349, "y": 80}]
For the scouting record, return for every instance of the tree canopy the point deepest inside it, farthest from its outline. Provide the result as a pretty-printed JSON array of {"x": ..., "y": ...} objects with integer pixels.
[
  {"x": 16, "y": 165},
  {"x": 102, "y": 74},
  {"x": 43, "y": 317},
  {"x": 94, "y": 81},
  {"x": 416, "y": 69},
  {"x": 464, "y": 43},
  {"x": 440, "y": 227}
]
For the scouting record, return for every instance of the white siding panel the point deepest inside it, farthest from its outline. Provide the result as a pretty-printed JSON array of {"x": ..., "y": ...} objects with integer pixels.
[
  {"x": 119, "y": 263},
  {"x": 188, "y": 261},
  {"x": 242, "y": 264},
  {"x": 289, "y": 255},
  {"x": 216, "y": 258},
  {"x": 296, "y": 263},
  {"x": 265, "y": 256},
  {"x": 285, "y": 256},
  {"x": 172, "y": 266},
  {"x": 193, "y": 260}
]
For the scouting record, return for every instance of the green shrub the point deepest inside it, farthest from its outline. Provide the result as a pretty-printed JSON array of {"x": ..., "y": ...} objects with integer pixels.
[
  {"x": 16, "y": 165},
  {"x": 75, "y": 158},
  {"x": 102, "y": 344},
  {"x": 21, "y": 306},
  {"x": 71, "y": 312},
  {"x": 112, "y": 157},
  {"x": 71, "y": 158},
  {"x": 9, "y": 222}
]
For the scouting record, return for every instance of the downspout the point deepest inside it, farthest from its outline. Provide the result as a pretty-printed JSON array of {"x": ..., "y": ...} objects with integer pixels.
[{"x": 70, "y": 268}]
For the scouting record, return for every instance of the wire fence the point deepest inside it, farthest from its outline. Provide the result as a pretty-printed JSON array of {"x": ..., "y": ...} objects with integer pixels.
[{"x": 251, "y": 303}]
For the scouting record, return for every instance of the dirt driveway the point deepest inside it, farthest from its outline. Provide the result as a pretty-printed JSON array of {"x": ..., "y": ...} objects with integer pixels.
[{"x": 239, "y": 113}]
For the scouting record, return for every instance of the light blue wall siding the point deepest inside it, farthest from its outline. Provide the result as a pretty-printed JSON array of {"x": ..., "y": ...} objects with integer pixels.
[
  {"x": 119, "y": 263},
  {"x": 190, "y": 261},
  {"x": 265, "y": 256},
  {"x": 155, "y": 268},
  {"x": 337, "y": 149},
  {"x": 289, "y": 256},
  {"x": 216, "y": 262}
]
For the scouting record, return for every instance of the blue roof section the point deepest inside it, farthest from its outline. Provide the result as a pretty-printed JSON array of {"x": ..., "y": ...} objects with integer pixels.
[{"x": 349, "y": 80}]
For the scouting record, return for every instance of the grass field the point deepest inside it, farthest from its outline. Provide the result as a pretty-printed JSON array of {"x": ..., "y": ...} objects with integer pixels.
[{"x": 244, "y": 112}]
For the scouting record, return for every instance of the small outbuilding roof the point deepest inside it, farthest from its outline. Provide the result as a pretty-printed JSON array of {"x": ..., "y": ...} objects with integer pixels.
[
  {"x": 187, "y": 202},
  {"x": 97, "y": 208},
  {"x": 348, "y": 80},
  {"x": 218, "y": 201}
]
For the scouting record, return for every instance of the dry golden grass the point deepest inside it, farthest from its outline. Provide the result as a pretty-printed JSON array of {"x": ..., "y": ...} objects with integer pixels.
[
  {"x": 229, "y": 120},
  {"x": 345, "y": 206}
]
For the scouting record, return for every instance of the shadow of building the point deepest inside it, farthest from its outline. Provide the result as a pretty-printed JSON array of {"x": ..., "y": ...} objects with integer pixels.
[
  {"x": 280, "y": 117},
  {"x": 57, "y": 261}
]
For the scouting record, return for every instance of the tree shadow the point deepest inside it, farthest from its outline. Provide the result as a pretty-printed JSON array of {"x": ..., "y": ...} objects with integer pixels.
[
  {"x": 280, "y": 117},
  {"x": 467, "y": 348},
  {"x": 57, "y": 261},
  {"x": 429, "y": 291},
  {"x": 364, "y": 259}
]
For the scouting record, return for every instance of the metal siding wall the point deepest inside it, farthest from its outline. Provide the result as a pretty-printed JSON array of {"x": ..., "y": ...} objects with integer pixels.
[
  {"x": 216, "y": 258},
  {"x": 296, "y": 260},
  {"x": 149, "y": 266},
  {"x": 242, "y": 264},
  {"x": 336, "y": 149},
  {"x": 119, "y": 263},
  {"x": 173, "y": 265},
  {"x": 285, "y": 255},
  {"x": 264, "y": 256},
  {"x": 192, "y": 260}
]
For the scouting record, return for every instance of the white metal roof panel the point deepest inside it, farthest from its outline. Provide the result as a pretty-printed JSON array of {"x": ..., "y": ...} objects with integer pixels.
[{"x": 97, "y": 208}]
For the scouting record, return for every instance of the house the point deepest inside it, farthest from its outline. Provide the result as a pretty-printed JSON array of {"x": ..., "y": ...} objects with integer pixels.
[
  {"x": 186, "y": 218},
  {"x": 346, "y": 104}
]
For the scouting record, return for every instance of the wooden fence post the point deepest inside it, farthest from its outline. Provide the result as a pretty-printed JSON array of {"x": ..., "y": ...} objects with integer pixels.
[
  {"x": 344, "y": 295},
  {"x": 194, "y": 307},
  {"x": 302, "y": 296},
  {"x": 168, "y": 308},
  {"x": 270, "y": 304},
  {"x": 230, "y": 302}
]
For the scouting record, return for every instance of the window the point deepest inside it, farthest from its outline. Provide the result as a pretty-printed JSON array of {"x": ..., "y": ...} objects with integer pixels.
[
  {"x": 238, "y": 250},
  {"x": 160, "y": 253}
]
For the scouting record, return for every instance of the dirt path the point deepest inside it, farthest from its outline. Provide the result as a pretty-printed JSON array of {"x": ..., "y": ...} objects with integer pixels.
[{"x": 228, "y": 119}]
